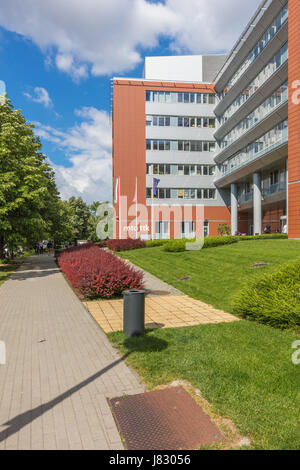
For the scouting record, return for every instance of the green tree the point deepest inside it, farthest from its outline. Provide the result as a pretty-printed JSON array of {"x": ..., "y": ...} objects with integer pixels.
[
  {"x": 27, "y": 186},
  {"x": 80, "y": 218}
]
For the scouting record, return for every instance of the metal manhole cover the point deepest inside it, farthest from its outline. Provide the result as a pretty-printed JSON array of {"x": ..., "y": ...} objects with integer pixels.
[{"x": 167, "y": 419}]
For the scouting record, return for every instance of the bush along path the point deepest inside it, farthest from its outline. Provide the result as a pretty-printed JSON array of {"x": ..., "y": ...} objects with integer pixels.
[{"x": 97, "y": 273}]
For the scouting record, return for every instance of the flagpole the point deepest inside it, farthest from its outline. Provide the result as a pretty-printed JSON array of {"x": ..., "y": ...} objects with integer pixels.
[
  {"x": 120, "y": 229},
  {"x": 152, "y": 217},
  {"x": 136, "y": 205}
]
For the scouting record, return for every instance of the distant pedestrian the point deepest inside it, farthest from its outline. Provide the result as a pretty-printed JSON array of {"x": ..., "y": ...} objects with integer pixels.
[
  {"x": 285, "y": 229},
  {"x": 50, "y": 247},
  {"x": 41, "y": 248}
]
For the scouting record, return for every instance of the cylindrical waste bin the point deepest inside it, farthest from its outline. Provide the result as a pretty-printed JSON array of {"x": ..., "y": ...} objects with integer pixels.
[{"x": 134, "y": 312}]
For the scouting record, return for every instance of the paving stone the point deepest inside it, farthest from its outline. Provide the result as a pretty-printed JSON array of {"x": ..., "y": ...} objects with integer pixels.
[{"x": 59, "y": 362}]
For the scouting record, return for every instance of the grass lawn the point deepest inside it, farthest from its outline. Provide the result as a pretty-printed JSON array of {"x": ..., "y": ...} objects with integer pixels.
[
  {"x": 243, "y": 369},
  {"x": 216, "y": 273},
  {"x": 7, "y": 269}
]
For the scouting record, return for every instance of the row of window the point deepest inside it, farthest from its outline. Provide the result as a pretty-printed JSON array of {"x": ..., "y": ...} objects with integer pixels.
[
  {"x": 259, "y": 47},
  {"x": 274, "y": 136},
  {"x": 180, "y": 145},
  {"x": 180, "y": 170},
  {"x": 168, "y": 193},
  {"x": 175, "y": 97},
  {"x": 277, "y": 98},
  {"x": 179, "y": 121},
  {"x": 187, "y": 229},
  {"x": 258, "y": 81}
]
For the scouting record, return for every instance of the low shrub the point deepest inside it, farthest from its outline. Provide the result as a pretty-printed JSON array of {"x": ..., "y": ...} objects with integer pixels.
[
  {"x": 154, "y": 243},
  {"x": 175, "y": 246},
  {"x": 98, "y": 273},
  {"x": 122, "y": 245},
  {"x": 273, "y": 299},
  {"x": 210, "y": 242},
  {"x": 273, "y": 236}
]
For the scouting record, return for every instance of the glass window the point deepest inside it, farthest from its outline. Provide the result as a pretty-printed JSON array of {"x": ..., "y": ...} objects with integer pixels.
[
  {"x": 161, "y": 96},
  {"x": 186, "y": 122},
  {"x": 167, "y": 145},
  {"x": 174, "y": 145},
  {"x": 168, "y": 193},
  {"x": 212, "y": 123},
  {"x": 148, "y": 169},
  {"x": 193, "y": 122},
  {"x": 174, "y": 121},
  {"x": 168, "y": 97},
  {"x": 186, "y": 194},
  {"x": 161, "y": 193},
  {"x": 161, "y": 169},
  {"x": 148, "y": 120},
  {"x": 199, "y": 146},
  {"x": 180, "y": 97},
  {"x": 187, "y": 146},
  {"x": 193, "y": 146},
  {"x": 205, "y": 170},
  {"x": 174, "y": 193},
  {"x": 199, "y": 122},
  {"x": 205, "y": 122},
  {"x": 192, "y": 193},
  {"x": 212, "y": 98},
  {"x": 148, "y": 95},
  {"x": 193, "y": 170},
  {"x": 199, "y": 193},
  {"x": 174, "y": 169},
  {"x": 148, "y": 144},
  {"x": 205, "y": 147},
  {"x": 155, "y": 169},
  {"x": 167, "y": 169},
  {"x": 186, "y": 170},
  {"x": 180, "y": 170},
  {"x": 148, "y": 192},
  {"x": 155, "y": 121},
  {"x": 199, "y": 170},
  {"x": 186, "y": 97},
  {"x": 204, "y": 98},
  {"x": 180, "y": 145},
  {"x": 161, "y": 145},
  {"x": 212, "y": 146},
  {"x": 180, "y": 122},
  {"x": 180, "y": 193},
  {"x": 198, "y": 97},
  {"x": 192, "y": 97},
  {"x": 167, "y": 121},
  {"x": 155, "y": 145},
  {"x": 161, "y": 121},
  {"x": 212, "y": 170}
]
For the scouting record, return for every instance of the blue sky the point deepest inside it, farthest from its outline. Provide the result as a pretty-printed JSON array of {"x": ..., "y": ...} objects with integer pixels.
[{"x": 57, "y": 58}]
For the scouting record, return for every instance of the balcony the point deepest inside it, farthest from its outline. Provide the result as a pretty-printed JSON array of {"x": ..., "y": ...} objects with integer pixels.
[{"x": 244, "y": 198}]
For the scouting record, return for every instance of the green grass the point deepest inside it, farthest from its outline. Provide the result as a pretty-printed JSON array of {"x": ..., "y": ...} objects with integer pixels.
[
  {"x": 243, "y": 369},
  {"x": 6, "y": 270},
  {"x": 216, "y": 273}
]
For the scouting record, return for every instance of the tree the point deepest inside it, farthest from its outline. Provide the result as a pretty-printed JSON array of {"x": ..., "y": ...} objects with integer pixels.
[
  {"x": 80, "y": 218},
  {"x": 27, "y": 185}
]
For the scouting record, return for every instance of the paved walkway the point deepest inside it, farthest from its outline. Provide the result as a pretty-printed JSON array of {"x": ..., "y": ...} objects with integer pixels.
[{"x": 60, "y": 366}]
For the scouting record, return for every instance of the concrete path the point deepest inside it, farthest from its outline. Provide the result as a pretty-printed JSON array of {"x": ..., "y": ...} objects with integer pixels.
[{"x": 59, "y": 367}]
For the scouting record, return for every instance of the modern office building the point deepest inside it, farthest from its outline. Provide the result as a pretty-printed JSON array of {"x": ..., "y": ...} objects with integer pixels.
[{"x": 213, "y": 137}]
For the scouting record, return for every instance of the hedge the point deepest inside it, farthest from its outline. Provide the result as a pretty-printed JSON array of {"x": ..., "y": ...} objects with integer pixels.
[
  {"x": 122, "y": 245},
  {"x": 273, "y": 299},
  {"x": 98, "y": 273},
  {"x": 154, "y": 243},
  {"x": 209, "y": 242},
  {"x": 273, "y": 236}
]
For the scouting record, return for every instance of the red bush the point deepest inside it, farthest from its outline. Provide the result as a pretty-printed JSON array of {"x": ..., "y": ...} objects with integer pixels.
[
  {"x": 123, "y": 245},
  {"x": 98, "y": 273}
]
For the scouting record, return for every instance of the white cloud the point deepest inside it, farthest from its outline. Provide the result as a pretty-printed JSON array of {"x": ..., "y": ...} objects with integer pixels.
[
  {"x": 105, "y": 36},
  {"x": 40, "y": 95},
  {"x": 87, "y": 146}
]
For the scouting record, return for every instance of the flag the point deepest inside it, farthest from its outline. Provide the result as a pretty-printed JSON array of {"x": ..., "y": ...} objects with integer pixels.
[
  {"x": 135, "y": 193},
  {"x": 156, "y": 182},
  {"x": 117, "y": 191}
]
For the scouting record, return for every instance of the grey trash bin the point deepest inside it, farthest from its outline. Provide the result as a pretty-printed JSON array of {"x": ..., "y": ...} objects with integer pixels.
[{"x": 134, "y": 312}]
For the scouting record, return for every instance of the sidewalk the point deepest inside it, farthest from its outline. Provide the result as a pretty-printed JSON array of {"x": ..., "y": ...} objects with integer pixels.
[{"x": 60, "y": 366}]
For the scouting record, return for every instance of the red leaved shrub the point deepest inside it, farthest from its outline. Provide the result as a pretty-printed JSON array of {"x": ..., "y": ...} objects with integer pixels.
[
  {"x": 98, "y": 273},
  {"x": 123, "y": 245}
]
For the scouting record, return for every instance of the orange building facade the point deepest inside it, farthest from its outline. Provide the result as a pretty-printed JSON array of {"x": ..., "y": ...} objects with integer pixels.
[{"x": 189, "y": 156}]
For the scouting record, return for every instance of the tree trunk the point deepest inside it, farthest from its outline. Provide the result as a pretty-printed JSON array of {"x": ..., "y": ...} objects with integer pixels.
[{"x": 2, "y": 254}]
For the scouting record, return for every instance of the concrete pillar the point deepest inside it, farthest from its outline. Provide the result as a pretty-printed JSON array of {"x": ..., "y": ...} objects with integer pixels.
[
  {"x": 257, "y": 213},
  {"x": 234, "y": 209}
]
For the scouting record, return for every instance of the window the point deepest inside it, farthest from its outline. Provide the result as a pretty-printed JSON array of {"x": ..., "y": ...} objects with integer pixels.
[
  {"x": 186, "y": 170},
  {"x": 148, "y": 144},
  {"x": 148, "y": 95},
  {"x": 199, "y": 193},
  {"x": 148, "y": 193},
  {"x": 148, "y": 169}
]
